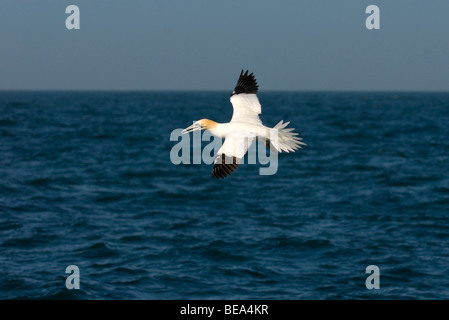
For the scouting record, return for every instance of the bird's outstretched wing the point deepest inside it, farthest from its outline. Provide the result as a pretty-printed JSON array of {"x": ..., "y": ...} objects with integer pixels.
[
  {"x": 244, "y": 100},
  {"x": 230, "y": 155}
]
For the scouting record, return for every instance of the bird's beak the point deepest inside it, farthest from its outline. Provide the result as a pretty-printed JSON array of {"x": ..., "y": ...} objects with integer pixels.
[{"x": 192, "y": 128}]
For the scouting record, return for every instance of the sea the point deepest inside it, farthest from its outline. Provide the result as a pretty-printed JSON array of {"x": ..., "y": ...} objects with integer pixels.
[{"x": 87, "y": 182}]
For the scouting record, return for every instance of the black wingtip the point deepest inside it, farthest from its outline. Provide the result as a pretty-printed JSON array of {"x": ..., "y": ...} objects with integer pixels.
[
  {"x": 246, "y": 84},
  {"x": 224, "y": 166}
]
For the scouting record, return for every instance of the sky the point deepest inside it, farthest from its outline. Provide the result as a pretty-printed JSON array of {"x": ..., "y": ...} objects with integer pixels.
[{"x": 203, "y": 44}]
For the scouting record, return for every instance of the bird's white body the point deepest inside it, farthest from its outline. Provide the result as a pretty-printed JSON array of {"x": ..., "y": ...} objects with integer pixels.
[{"x": 223, "y": 130}]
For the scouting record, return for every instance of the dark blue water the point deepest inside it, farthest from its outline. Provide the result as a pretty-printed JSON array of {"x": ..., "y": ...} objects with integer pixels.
[{"x": 86, "y": 180}]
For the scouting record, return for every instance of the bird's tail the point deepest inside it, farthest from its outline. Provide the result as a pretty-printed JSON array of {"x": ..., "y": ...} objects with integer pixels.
[{"x": 286, "y": 140}]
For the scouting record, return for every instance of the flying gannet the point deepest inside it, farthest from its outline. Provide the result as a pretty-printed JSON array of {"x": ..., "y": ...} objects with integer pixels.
[{"x": 244, "y": 127}]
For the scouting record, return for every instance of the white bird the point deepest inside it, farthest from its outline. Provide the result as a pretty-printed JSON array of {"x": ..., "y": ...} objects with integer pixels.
[{"x": 244, "y": 127}]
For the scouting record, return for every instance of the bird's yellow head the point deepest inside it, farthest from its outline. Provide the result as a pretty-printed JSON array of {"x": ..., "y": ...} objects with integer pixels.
[{"x": 203, "y": 124}]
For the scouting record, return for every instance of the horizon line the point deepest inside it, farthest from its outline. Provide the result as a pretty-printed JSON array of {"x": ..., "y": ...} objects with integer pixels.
[{"x": 220, "y": 91}]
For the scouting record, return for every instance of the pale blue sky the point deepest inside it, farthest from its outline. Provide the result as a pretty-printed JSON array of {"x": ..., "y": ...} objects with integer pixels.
[{"x": 203, "y": 45}]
